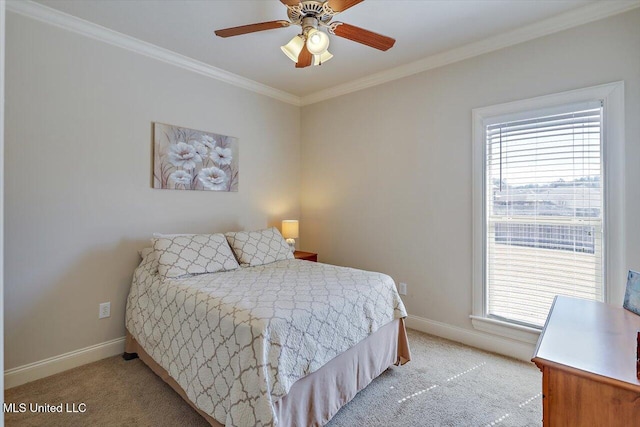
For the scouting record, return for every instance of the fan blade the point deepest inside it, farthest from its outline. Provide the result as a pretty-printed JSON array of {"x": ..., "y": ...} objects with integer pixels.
[
  {"x": 342, "y": 5},
  {"x": 360, "y": 35},
  {"x": 305, "y": 57},
  {"x": 252, "y": 28},
  {"x": 290, "y": 2}
]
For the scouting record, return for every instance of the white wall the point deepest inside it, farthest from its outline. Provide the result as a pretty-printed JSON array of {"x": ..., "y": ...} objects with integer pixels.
[
  {"x": 78, "y": 196},
  {"x": 386, "y": 172}
]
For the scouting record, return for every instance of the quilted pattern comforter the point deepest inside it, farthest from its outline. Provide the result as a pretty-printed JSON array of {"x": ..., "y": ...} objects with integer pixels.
[{"x": 236, "y": 341}]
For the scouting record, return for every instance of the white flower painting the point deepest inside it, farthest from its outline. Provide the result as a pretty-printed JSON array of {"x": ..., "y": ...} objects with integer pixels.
[
  {"x": 187, "y": 159},
  {"x": 213, "y": 178}
]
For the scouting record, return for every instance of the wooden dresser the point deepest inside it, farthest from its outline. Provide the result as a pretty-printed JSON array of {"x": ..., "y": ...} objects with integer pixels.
[{"x": 587, "y": 355}]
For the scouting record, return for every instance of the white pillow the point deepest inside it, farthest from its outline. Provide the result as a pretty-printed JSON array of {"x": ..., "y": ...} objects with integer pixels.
[
  {"x": 259, "y": 247},
  {"x": 160, "y": 236},
  {"x": 193, "y": 254},
  {"x": 148, "y": 255},
  {"x": 145, "y": 252}
]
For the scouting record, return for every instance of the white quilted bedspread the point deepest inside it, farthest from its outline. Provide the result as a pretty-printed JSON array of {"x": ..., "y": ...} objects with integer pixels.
[{"x": 236, "y": 341}]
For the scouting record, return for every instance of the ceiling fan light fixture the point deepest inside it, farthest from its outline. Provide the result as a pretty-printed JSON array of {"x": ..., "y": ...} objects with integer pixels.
[
  {"x": 321, "y": 59},
  {"x": 315, "y": 20},
  {"x": 317, "y": 41},
  {"x": 293, "y": 48}
]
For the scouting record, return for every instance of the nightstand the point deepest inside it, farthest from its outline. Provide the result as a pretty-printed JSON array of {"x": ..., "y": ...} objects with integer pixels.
[{"x": 307, "y": 256}]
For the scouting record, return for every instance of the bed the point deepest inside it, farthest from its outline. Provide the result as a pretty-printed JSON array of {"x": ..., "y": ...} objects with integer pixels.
[{"x": 284, "y": 343}]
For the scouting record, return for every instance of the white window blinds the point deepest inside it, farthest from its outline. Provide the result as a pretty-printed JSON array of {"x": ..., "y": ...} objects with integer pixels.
[{"x": 543, "y": 211}]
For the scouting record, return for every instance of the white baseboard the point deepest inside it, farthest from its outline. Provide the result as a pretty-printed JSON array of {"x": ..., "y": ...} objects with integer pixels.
[
  {"x": 517, "y": 349},
  {"x": 53, "y": 365}
]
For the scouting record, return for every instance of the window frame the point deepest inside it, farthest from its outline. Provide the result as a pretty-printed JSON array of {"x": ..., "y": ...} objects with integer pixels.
[{"x": 613, "y": 161}]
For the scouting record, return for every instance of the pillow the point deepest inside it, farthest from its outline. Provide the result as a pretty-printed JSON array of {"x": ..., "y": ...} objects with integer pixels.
[
  {"x": 259, "y": 247},
  {"x": 145, "y": 252},
  {"x": 148, "y": 255},
  {"x": 193, "y": 254},
  {"x": 160, "y": 236}
]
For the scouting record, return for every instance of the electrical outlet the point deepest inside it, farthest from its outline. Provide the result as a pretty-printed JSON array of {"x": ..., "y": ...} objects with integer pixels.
[
  {"x": 105, "y": 310},
  {"x": 402, "y": 288}
]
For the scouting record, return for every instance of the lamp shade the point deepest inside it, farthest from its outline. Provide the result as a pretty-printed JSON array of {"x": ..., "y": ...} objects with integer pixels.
[
  {"x": 321, "y": 59},
  {"x": 317, "y": 42},
  {"x": 293, "y": 48},
  {"x": 290, "y": 228}
]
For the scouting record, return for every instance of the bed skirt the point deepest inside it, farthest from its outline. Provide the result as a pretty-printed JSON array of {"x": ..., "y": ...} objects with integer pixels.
[{"x": 314, "y": 399}]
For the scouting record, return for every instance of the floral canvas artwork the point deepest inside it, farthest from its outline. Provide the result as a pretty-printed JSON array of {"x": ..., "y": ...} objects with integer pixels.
[
  {"x": 188, "y": 159},
  {"x": 632, "y": 295}
]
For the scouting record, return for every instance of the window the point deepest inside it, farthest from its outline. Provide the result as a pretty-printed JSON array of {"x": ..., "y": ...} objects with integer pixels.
[
  {"x": 541, "y": 224},
  {"x": 543, "y": 211}
]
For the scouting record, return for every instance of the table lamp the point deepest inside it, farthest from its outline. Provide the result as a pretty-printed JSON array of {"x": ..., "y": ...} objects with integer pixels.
[{"x": 290, "y": 232}]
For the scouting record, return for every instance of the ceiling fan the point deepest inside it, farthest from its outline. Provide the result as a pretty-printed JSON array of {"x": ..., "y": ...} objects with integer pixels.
[{"x": 310, "y": 47}]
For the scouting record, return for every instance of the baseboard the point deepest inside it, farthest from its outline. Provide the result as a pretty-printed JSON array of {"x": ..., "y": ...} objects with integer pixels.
[
  {"x": 53, "y": 365},
  {"x": 517, "y": 349}
]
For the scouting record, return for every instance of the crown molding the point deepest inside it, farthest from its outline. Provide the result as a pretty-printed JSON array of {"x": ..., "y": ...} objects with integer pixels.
[
  {"x": 573, "y": 18},
  {"x": 97, "y": 32}
]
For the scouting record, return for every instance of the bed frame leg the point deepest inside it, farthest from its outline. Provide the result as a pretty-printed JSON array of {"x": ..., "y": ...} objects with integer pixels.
[{"x": 129, "y": 356}]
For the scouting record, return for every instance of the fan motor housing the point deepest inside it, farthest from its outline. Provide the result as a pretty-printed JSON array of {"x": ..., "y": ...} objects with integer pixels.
[{"x": 310, "y": 9}]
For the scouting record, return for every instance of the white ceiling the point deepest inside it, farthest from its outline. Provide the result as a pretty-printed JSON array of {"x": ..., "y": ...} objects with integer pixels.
[{"x": 421, "y": 28}]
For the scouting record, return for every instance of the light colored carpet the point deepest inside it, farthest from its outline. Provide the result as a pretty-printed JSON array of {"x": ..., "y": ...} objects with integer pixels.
[
  {"x": 445, "y": 384},
  {"x": 448, "y": 384}
]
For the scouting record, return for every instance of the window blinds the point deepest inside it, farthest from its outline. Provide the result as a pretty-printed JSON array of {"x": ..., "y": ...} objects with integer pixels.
[{"x": 544, "y": 211}]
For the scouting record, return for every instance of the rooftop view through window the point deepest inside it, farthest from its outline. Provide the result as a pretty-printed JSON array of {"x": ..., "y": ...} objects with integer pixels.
[{"x": 544, "y": 213}]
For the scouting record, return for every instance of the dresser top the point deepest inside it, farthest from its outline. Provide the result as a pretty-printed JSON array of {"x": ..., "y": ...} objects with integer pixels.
[{"x": 591, "y": 336}]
